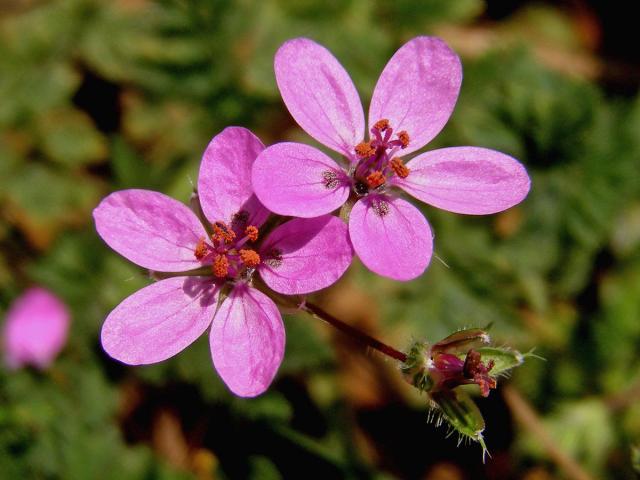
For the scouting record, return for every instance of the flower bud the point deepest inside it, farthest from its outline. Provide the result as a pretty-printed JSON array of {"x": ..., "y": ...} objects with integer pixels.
[
  {"x": 462, "y": 414},
  {"x": 463, "y": 358}
]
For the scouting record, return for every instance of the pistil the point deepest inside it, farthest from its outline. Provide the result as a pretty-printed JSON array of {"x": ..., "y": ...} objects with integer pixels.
[{"x": 376, "y": 158}]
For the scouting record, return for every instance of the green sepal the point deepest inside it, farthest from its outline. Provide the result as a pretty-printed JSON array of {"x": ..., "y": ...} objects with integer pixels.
[
  {"x": 415, "y": 369},
  {"x": 462, "y": 341},
  {"x": 460, "y": 411},
  {"x": 504, "y": 359}
]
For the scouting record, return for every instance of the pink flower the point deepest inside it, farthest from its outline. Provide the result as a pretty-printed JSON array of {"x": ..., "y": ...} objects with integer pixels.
[
  {"x": 411, "y": 103},
  {"x": 156, "y": 232},
  {"x": 36, "y": 329}
]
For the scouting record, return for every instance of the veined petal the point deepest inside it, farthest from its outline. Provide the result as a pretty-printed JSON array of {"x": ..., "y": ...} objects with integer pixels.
[
  {"x": 160, "y": 320},
  {"x": 391, "y": 237},
  {"x": 150, "y": 229},
  {"x": 224, "y": 181},
  {"x": 299, "y": 180},
  {"x": 320, "y": 95},
  {"x": 306, "y": 254},
  {"x": 247, "y": 341},
  {"x": 417, "y": 90},
  {"x": 469, "y": 180}
]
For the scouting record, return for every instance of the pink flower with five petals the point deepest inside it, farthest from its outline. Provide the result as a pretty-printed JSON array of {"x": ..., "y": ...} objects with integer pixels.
[
  {"x": 218, "y": 260},
  {"x": 413, "y": 99}
]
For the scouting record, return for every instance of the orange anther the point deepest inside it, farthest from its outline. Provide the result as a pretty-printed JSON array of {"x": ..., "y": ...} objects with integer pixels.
[
  {"x": 201, "y": 249},
  {"x": 222, "y": 233},
  {"x": 250, "y": 258},
  {"x": 399, "y": 168},
  {"x": 220, "y": 266},
  {"x": 251, "y": 232},
  {"x": 381, "y": 125},
  {"x": 403, "y": 136},
  {"x": 375, "y": 179},
  {"x": 365, "y": 149}
]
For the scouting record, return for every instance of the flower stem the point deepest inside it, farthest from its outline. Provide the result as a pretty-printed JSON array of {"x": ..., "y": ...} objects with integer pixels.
[{"x": 360, "y": 336}]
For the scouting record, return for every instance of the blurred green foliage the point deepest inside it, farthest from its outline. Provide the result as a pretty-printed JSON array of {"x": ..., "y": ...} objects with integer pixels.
[{"x": 98, "y": 96}]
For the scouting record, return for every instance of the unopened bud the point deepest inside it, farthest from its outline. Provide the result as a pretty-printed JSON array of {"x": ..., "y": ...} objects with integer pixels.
[
  {"x": 462, "y": 358},
  {"x": 459, "y": 410}
]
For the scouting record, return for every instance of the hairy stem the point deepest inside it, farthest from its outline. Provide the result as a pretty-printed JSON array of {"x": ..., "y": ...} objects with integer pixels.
[{"x": 353, "y": 332}]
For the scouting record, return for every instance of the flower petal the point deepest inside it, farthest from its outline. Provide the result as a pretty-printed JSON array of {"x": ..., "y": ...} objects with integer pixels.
[
  {"x": 150, "y": 229},
  {"x": 299, "y": 180},
  {"x": 469, "y": 180},
  {"x": 391, "y": 237},
  {"x": 36, "y": 329},
  {"x": 417, "y": 90},
  {"x": 224, "y": 181},
  {"x": 320, "y": 94},
  {"x": 306, "y": 255},
  {"x": 160, "y": 320},
  {"x": 247, "y": 341}
]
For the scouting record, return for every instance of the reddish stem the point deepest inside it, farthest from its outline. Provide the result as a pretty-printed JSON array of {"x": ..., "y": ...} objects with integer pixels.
[{"x": 354, "y": 332}]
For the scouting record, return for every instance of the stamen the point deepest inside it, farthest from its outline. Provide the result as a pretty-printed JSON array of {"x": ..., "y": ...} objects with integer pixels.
[
  {"x": 251, "y": 232},
  {"x": 403, "y": 136},
  {"x": 479, "y": 372},
  {"x": 220, "y": 266},
  {"x": 381, "y": 125},
  {"x": 201, "y": 249},
  {"x": 250, "y": 258},
  {"x": 375, "y": 179},
  {"x": 399, "y": 168},
  {"x": 222, "y": 233},
  {"x": 365, "y": 150}
]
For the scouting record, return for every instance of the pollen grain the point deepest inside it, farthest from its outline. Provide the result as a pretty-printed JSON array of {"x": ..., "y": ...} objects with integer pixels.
[
  {"x": 399, "y": 168},
  {"x": 365, "y": 150},
  {"x": 375, "y": 179},
  {"x": 252, "y": 232},
  {"x": 220, "y": 266},
  {"x": 403, "y": 136},
  {"x": 222, "y": 233},
  {"x": 250, "y": 258},
  {"x": 381, "y": 125},
  {"x": 201, "y": 249}
]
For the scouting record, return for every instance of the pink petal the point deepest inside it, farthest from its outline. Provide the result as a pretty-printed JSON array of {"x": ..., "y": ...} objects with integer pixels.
[
  {"x": 296, "y": 179},
  {"x": 149, "y": 229},
  {"x": 391, "y": 237},
  {"x": 320, "y": 94},
  {"x": 247, "y": 341},
  {"x": 306, "y": 255},
  {"x": 417, "y": 90},
  {"x": 36, "y": 329},
  {"x": 224, "y": 181},
  {"x": 160, "y": 320},
  {"x": 470, "y": 180}
]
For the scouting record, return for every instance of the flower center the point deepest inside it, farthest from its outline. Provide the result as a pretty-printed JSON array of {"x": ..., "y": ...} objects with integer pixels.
[
  {"x": 377, "y": 161},
  {"x": 452, "y": 371},
  {"x": 227, "y": 250}
]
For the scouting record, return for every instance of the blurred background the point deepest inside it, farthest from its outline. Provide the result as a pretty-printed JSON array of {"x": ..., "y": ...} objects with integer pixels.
[{"x": 97, "y": 96}]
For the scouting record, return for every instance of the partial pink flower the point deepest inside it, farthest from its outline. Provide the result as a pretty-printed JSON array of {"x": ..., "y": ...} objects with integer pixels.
[
  {"x": 412, "y": 101},
  {"x": 36, "y": 329},
  {"x": 247, "y": 335}
]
